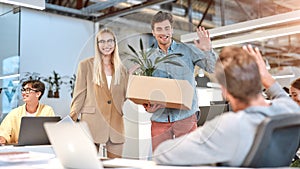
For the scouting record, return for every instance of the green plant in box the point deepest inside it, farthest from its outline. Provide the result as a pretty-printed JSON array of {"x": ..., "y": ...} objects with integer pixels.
[{"x": 146, "y": 65}]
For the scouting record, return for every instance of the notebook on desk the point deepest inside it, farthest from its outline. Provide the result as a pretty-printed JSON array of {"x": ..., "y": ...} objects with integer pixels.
[{"x": 32, "y": 131}]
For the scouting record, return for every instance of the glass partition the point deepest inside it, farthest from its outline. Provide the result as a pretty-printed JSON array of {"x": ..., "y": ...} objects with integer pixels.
[{"x": 9, "y": 57}]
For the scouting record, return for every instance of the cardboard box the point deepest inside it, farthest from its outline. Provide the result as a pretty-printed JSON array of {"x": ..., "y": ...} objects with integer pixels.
[{"x": 154, "y": 90}]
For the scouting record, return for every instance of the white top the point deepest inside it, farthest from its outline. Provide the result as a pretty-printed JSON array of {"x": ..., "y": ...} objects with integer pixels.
[
  {"x": 31, "y": 114},
  {"x": 108, "y": 79}
]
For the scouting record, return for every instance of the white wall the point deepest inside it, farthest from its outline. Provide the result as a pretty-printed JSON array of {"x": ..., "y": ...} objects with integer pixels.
[{"x": 54, "y": 42}]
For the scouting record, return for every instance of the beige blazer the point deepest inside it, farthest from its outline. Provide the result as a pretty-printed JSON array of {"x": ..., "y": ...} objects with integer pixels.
[{"x": 100, "y": 107}]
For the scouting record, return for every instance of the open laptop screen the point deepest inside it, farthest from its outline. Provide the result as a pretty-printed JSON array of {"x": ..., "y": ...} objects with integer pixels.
[{"x": 32, "y": 130}]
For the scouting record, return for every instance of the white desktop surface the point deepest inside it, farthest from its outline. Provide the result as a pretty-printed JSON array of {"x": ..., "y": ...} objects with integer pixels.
[
  {"x": 53, "y": 163},
  {"x": 46, "y": 160},
  {"x": 40, "y": 148}
]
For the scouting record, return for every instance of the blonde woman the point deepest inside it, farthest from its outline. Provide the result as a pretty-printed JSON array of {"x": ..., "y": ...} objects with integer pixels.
[{"x": 99, "y": 94}]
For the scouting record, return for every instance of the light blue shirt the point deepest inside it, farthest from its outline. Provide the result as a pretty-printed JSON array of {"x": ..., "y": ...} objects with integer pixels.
[{"x": 191, "y": 56}]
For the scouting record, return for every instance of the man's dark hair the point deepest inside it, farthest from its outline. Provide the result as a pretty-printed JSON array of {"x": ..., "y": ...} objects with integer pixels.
[
  {"x": 238, "y": 72},
  {"x": 36, "y": 84},
  {"x": 161, "y": 16}
]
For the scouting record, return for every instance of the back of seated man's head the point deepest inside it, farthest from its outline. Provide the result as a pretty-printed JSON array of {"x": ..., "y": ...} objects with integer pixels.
[{"x": 237, "y": 71}]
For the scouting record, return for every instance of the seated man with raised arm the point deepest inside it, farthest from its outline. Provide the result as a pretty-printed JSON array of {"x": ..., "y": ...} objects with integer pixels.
[{"x": 228, "y": 138}]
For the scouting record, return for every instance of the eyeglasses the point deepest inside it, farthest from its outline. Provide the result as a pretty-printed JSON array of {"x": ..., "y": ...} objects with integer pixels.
[
  {"x": 28, "y": 90},
  {"x": 109, "y": 41}
]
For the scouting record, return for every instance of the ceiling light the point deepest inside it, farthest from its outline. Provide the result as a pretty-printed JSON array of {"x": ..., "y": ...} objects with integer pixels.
[
  {"x": 283, "y": 76},
  {"x": 282, "y": 72},
  {"x": 250, "y": 37},
  {"x": 247, "y": 25}
]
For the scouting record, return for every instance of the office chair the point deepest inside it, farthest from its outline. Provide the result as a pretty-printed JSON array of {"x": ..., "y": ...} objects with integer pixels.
[
  {"x": 276, "y": 142},
  {"x": 2, "y": 117}
]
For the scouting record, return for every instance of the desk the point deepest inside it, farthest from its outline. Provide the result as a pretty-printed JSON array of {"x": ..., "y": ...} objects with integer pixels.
[
  {"x": 53, "y": 162},
  {"x": 47, "y": 161},
  {"x": 40, "y": 148}
]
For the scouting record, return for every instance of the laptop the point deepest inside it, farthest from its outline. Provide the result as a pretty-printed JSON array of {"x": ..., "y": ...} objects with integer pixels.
[
  {"x": 210, "y": 112},
  {"x": 32, "y": 131},
  {"x": 73, "y": 145},
  {"x": 73, "y": 141}
]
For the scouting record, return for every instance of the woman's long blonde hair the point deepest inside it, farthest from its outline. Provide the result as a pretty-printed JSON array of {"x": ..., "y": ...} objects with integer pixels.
[{"x": 116, "y": 61}]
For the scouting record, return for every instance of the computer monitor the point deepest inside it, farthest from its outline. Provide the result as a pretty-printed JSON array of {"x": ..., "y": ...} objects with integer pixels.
[{"x": 209, "y": 112}]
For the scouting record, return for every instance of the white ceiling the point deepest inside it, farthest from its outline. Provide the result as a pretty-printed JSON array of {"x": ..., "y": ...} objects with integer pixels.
[{"x": 280, "y": 51}]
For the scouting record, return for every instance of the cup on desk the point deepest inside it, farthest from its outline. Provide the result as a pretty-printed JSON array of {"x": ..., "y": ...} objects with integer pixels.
[{"x": 102, "y": 153}]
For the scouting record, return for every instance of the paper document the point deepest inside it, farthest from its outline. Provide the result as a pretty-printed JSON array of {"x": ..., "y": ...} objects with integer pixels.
[{"x": 24, "y": 156}]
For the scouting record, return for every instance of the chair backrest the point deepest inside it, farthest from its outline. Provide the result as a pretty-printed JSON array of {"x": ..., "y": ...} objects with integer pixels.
[
  {"x": 2, "y": 117},
  {"x": 276, "y": 142}
]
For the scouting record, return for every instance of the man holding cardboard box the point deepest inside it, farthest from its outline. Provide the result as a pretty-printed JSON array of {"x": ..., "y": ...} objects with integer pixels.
[{"x": 168, "y": 123}]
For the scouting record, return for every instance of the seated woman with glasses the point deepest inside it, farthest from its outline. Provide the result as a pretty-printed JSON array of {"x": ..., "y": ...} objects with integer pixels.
[
  {"x": 32, "y": 91},
  {"x": 295, "y": 91}
]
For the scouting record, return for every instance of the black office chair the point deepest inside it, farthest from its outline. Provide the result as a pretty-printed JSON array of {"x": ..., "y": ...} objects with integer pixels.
[{"x": 276, "y": 142}]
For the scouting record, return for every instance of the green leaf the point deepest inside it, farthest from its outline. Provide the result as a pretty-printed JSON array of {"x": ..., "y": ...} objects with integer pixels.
[
  {"x": 150, "y": 52},
  {"x": 141, "y": 45},
  {"x": 142, "y": 58},
  {"x": 173, "y": 63},
  {"x": 133, "y": 50},
  {"x": 144, "y": 55},
  {"x": 135, "y": 61},
  {"x": 168, "y": 57},
  {"x": 149, "y": 63},
  {"x": 157, "y": 60}
]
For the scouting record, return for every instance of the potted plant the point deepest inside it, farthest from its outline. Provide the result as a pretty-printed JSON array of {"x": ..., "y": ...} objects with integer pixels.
[
  {"x": 50, "y": 83},
  {"x": 57, "y": 82},
  {"x": 72, "y": 83},
  {"x": 146, "y": 65},
  {"x": 54, "y": 81},
  {"x": 31, "y": 76}
]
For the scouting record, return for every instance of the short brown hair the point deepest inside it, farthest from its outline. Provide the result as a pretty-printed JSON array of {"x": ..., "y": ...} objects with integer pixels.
[
  {"x": 36, "y": 84},
  {"x": 296, "y": 84},
  {"x": 161, "y": 16},
  {"x": 238, "y": 72}
]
